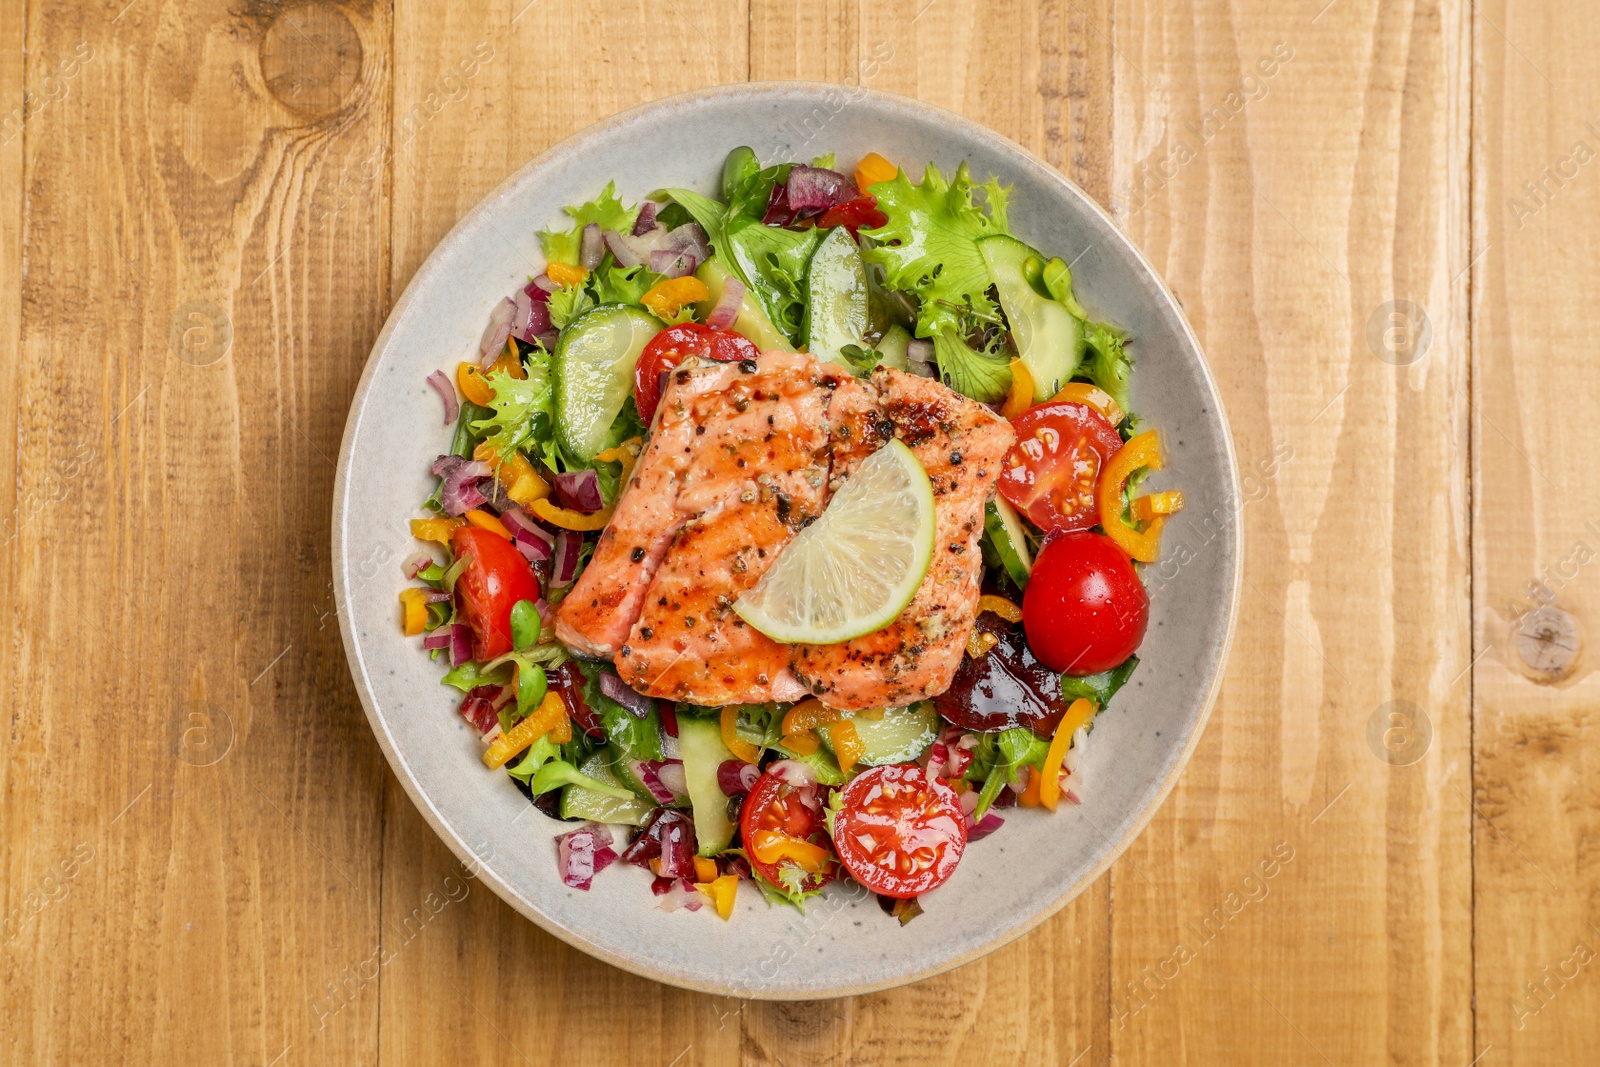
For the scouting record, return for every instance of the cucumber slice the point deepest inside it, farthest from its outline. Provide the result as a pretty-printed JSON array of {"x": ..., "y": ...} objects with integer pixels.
[
  {"x": 901, "y": 736},
  {"x": 894, "y": 344},
  {"x": 703, "y": 752},
  {"x": 752, "y": 321},
  {"x": 1003, "y": 526},
  {"x": 1049, "y": 339},
  {"x": 594, "y": 373},
  {"x": 836, "y": 296},
  {"x": 580, "y": 803}
]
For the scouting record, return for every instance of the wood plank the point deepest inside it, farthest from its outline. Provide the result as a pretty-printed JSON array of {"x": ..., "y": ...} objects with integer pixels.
[
  {"x": 1535, "y": 534},
  {"x": 1303, "y": 897},
  {"x": 185, "y": 738},
  {"x": 478, "y": 976}
]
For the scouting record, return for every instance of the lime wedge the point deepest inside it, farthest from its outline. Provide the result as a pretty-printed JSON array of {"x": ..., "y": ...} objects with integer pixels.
[{"x": 856, "y": 568}]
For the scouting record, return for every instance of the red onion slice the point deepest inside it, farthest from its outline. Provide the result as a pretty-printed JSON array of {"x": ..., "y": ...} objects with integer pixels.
[
  {"x": 583, "y": 853},
  {"x": 460, "y": 644},
  {"x": 649, "y": 774},
  {"x": 668, "y": 835},
  {"x": 672, "y": 264},
  {"x": 669, "y": 719},
  {"x": 625, "y": 250},
  {"x": 580, "y": 490},
  {"x": 477, "y": 707},
  {"x": 565, "y": 569},
  {"x": 499, "y": 328},
  {"x": 532, "y": 540},
  {"x": 538, "y": 293},
  {"x": 416, "y": 563},
  {"x": 460, "y": 492},
  {"x": 671, "y": 775},
  {"x": 984, "y": 827},
  {"x": 646, "y": 220},
  {"x": 814, "y": 190},
  {"x": 592, "y": 247},
  {"x": 728, "y": 305},
  {"x": 439, "y": 638},
  {"x": 543, "y": 282},
  {"x": 736, "y": 777},
  {"x": 638, "y": 705},
  {"x": 447, "y": 393},
  {"x": 688, "y": 238},
  {"x": 794, "y": 772},
  {"x": 677, "y": 893}
]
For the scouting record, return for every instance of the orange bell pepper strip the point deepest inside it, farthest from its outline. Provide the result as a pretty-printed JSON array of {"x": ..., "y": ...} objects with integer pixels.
[
  {"x": 705, "y": 870},
  {"x": 1029, "y": 797},
  {"x": 741, "y": 749},
  {"x": 873, "y": 169},
  {"x": 413, "y": 611},
  {"x": 568, "y": 519},
  {"x": 1020, "y": 398},
  {"x": 565, "y": 274},
  {"x": 801, "y": 744},
  {"x": 434, "y": 529},
  {"x": 667, "y": 297},
  {"x": 1142, "y": 545},
  {"x": 808, "y": 715},
  {"x": 485, "y": 521},
  {"x": 1000, "y": 606},
  {"x": 769, "y": 846},
  {"x": 847, "y": 744},
  {"x": 523, "y": 484},
  {"x": 626, "y": 455},
  {"x": 720, "y": 891},
  {"x": 1079, "y": 714},
  {"x": 548, "y": 718},
  {"x": 979, "y": 643},
  {"x": 1147, "y": 508},
  {"x": 470, "y": 380},
  {"x": 1093, "y": 396}
]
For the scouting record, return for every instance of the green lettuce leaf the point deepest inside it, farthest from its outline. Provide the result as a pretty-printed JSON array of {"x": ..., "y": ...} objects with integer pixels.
[
  {"x": 516, "y": 402},
  {"x": 471, "y": 674},
  {"x": 773, "y": 262},
  {"x": 606, "y": 209},
  {"x": 539, "y": 753},
  {"x": 928, "y": 247},
  {"x": 639, "y": 738},
  {"x": 1108, "y": 365},
  {"x": 984, "y": 376},
  {"x": 1101, "y": 687}
]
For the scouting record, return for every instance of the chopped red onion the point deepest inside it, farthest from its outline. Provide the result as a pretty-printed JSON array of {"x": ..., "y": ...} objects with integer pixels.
[
  {"x": 638, "y": 705},
  {"x": 460, "y": 492},
  {"x": 736, "y": 777},
  {"x": 680, "y": 893},
  {"x": 447, "y": 393},
  {"x": 416, "y": 563},
  {"x": 477, "y": 707},
  {"x": 532, "y": 317},
  {"x": 580, "y": 490},
  {"x": 649, "y": 774},
  {"x": 625, "y": 250},
  {"x": 435, "y": 596},
  {"x": 670, "y": 264},
  {"x": 503, "y": 697},
  {"x": 669, "y": 719},
  {"x": 547, "y": 340},
  {"x": 499, "y": 328},
  {"x": 793, "y": 772},
  {"x": 565, "y": 568},
  {"x": 533, "y": 540},
  {"x": 583, "y": 853},
  {"x": 544, "y": 282},
  {"x": 728, "y": 305},
  {"x": 536, "y": 292},
  {"x": 812, "y": 190},
  {"x": 1070, "y": 795},
  {"x": 646, "y": 220},
  {"x": 977, "y": 831},
  {"x": 439, "y": 638},
  {"x": 688, "y": 238},
  {"x": 592, "y": 247},
  {"x": 668, "y": 835},
  {"x": 671, "y": 775},
  {"x": 460, "y": 644}
]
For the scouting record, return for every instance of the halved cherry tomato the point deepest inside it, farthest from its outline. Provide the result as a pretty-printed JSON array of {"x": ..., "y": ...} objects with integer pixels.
[
  {"x": 675, "y": 344},
  {"x": 777, "y": 814},
  {"x": 853, "y": 215},
  {"x": 490, "y": 587},
  {"x": 1085, "y": 609},
  {"x": 899, "y": 832},
  {"x": 1051, "y": 472}
]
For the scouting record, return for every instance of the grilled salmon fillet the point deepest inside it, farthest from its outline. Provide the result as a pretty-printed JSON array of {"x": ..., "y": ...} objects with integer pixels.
[{"x": 960, "y": 443}]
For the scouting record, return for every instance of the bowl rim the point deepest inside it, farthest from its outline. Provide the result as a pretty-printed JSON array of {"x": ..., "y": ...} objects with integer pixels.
[{"x": 479, "y": 866}]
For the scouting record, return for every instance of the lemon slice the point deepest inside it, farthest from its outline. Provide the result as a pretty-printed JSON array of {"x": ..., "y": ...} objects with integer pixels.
[{"x": 856, "y": 568}]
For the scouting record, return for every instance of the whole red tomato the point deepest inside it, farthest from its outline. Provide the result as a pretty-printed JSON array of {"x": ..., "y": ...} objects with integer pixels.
[
  {"x": 675, "y": 344},
  {"x": 1051, "y": 472},
  {"x": 490, "y": 587},
  {"x": 1085, "y": 610}
]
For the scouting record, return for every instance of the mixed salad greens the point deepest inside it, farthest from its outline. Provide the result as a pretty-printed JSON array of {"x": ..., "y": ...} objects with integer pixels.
[{"x": 863, "y": 270}]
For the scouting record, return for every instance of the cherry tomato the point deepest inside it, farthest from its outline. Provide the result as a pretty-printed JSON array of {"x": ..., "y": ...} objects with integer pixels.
[
  {"x": 675, "y": 344},
  {"x": 1085, "y": 609},
  {"x": 853, "y": 215},
  {"x": 774, "y": 807},
  {"x": 1051, "y": 472},
  {"x": 899, "y": 832},
  {"x": 490, "y": 587}
]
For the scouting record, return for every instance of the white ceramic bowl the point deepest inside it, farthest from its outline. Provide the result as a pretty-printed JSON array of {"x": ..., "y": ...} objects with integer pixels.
[{"x": 844, "y": 943}]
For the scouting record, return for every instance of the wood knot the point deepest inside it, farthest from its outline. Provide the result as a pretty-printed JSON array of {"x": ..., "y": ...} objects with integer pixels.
[
  {"x": 311, "y": 59},
  {"x": 1548, "y": 642}
]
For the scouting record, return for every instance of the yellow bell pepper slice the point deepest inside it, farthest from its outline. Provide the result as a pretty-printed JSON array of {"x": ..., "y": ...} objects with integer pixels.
[
  {"x": 1000, "y": 606},
  {"x": 1093, "y": 396},
  {"x": 804, "y": 743},
  {"x": 1142, "y": 545},
  {"x": 413, "y": 611},
  {"x": 873, "y": 169},
  {"x": 522, "y": 482},
  {"x": 1147, "y": 508},
  {"x": 1020, "y": 398},
  {"x": 667, "y": 297},
  {"x": 1029, "y": 797},
  {"x": 485, "y": 521},
  {"x": 565, "y": 274},
  {"x": 979, "y": 643},
  {"x": 741, "y": 749},
  {"x": 720, "y": 891},
  {"x": 808, "y": 715},
  {"x": 438, "y": 530},
  {"x": 568, "y": 519},
  {"x": 548, "y": 718},
  {"x": 1079, "y": 714},
  {"x": 705, "y": 870},
  {"x": 510, "y": 361},
  {"x": 769, "y": 846},
  {"x": 470, "y": 380},
  {"x": 847, "y": 744}
]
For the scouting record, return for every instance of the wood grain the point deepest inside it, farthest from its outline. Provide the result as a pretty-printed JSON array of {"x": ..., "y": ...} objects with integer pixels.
[
  {"x": 1536, "y": 535},
  {"x": 1385, "y": 244}
]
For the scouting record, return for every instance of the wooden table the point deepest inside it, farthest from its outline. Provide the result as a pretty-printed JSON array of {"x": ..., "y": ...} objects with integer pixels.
[{"x": 1384, "y": 221}]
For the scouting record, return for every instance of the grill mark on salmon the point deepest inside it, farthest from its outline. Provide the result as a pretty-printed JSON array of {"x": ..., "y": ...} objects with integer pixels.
[{"x": 960, "y": 444}]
